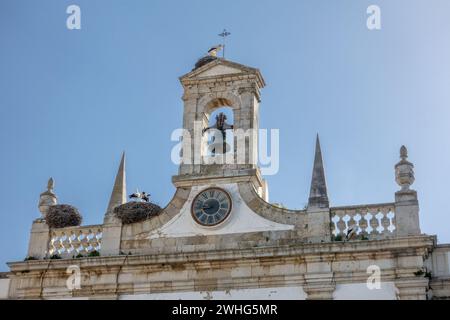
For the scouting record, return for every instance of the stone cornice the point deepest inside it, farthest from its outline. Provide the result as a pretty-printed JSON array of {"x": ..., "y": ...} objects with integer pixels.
[
  {"x": 234, "y": 176},
  {"x": 320, "y": 252},
  {"x": 369, "y": 206}
]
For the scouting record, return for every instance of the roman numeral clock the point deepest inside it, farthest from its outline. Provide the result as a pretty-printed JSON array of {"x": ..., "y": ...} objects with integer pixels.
[{"x": 211, "y": 207}]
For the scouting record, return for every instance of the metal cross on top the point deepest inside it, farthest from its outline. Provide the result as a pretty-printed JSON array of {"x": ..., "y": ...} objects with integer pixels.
[{"x": 224, "y": 34}]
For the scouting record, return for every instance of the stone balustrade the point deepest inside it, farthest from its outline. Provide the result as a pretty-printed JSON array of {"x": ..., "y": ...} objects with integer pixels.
[
  {"x": 374, "y": 221},
  {"x": 72, "y": 241}
]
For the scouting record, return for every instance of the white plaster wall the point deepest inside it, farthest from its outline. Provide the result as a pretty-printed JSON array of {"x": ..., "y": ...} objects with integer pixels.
[
  {"x": 360, "y": 291},
  {"x": 241, "y": 219},
  {"x": 439, "y": 262},
  {"x": 448, "y": 262},
  {"x": 4, "y": 288},
  {"x": 276, "y": 293}
]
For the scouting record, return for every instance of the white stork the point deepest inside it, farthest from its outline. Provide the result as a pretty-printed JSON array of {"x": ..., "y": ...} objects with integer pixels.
[
  {"x": 136, "y": 195},
  {"x": 214, "y": 50}
]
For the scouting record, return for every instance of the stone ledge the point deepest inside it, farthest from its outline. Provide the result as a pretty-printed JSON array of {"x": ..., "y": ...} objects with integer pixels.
[
  {"x": 315, "y": 251},
  {"x": 247, "y": 175}
]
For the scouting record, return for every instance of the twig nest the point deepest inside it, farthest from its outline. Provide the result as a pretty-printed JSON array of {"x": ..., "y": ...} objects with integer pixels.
[
  {"x": 63, "y": 215},
  {"x": 203, "y": 61},
  {"x": 136, "y": 211}
]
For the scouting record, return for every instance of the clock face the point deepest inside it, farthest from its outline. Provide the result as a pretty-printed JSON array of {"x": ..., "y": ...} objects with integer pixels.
[{"x": 211, "y": 206}]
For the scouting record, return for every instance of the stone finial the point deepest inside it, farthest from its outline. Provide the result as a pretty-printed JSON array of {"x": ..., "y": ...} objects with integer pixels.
[
  {"x": 318, "y": 196},
  {"x": 47, "y": 198},
  {"x": 403, "y": 153},
  {"x": 50, "y": 184},
  {"x": 119, "y": 192},
  {"x": 404, "y": 171}
]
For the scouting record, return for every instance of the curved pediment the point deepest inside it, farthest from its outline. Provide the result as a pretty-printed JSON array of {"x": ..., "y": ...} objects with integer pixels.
[
  {"x": 251, "y": 220},
  {"x": 241, "y": 220}
]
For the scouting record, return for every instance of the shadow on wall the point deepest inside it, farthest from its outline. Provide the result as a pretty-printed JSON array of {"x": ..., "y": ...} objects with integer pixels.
[{"x": 4, "y": 285}]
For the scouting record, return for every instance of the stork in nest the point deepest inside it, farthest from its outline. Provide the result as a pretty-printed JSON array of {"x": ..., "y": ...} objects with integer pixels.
[{"x": 143, "y": 196}]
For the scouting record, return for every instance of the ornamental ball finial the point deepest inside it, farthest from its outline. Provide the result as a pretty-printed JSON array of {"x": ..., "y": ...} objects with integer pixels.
[{"x": 404, "y": 171}]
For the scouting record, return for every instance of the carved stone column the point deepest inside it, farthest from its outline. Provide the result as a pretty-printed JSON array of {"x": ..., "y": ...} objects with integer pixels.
[
  {"x": 318, "y": 220},
  {"x": 406, "y": 203},
  {"x": 39, "y": 239},
  {"x": 40, "y": 232},
  {"x": 112, "y": 234}
]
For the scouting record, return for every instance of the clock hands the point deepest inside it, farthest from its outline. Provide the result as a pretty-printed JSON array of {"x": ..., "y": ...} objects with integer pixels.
[{"x": 211, "y": 207}]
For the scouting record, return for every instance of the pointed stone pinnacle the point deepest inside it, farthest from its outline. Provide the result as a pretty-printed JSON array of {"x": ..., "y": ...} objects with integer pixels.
[
  {"x": 318, "y": 196},
  {"x": 119, "y": 192}
]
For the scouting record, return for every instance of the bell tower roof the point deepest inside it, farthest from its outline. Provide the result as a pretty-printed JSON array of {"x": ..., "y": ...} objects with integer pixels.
[{"x": 219, "y": 67}]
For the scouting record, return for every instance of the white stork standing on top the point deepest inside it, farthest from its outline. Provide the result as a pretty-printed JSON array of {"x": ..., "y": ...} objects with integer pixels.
[
  {"x": 136, "y": 195},
  {"x": 214, "y": 50},
  {"x": 144, "y": 196}
]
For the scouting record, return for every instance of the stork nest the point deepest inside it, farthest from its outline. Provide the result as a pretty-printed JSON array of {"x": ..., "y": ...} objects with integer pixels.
[
  {"x": 204, "y": 60},
  {"x": 63, "y": 215},
  {"x": 132, "y": 212}
]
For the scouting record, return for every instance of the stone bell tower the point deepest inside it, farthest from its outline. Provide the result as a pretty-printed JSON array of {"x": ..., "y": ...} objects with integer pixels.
[{"x": 212, "y": 84}]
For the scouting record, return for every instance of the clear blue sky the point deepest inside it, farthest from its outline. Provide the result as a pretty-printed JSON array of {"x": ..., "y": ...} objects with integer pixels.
[{"x": 71, "y": 101}]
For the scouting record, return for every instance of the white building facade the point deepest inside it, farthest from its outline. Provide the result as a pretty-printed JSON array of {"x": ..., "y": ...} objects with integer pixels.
[{"x": 220, "y": 238}]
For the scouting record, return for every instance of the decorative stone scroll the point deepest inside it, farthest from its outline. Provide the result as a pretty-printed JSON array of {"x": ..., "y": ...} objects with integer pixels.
[
  {"x": 71, "y": 242},
  {"x": 373, "y": 221}
]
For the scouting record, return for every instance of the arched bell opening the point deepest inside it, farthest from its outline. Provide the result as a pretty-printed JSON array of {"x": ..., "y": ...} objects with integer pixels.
[
  {"x": 218, "y": 129},
  {"x": 222, "y": 140}
]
